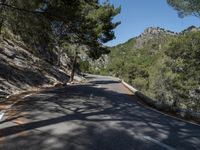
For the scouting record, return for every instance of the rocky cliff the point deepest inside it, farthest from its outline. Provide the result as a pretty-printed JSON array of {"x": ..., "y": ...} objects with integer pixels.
[{"x": 22, "y": 70}]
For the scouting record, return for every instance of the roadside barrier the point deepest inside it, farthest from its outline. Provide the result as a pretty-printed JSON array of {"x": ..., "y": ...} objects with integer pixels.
[{"x": 158, "y": 105}]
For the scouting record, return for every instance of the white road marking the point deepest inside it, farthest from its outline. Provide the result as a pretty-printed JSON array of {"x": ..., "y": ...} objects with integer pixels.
[
  {"x": 91, "y": 96},
  {"x": 2, "y": 114},
  {"x": 99, "y": 86},
  {"x": 10, "y": 106},
  {"x": 27, "y": 95},
  {"x": 159, "y": 143}
]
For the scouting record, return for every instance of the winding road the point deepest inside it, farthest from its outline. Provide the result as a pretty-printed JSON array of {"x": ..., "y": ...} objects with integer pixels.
[{"x": 98, "y": 115}]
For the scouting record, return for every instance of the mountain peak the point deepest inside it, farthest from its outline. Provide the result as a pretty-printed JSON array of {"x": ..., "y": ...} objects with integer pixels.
[{"x": 157, "y": 31}]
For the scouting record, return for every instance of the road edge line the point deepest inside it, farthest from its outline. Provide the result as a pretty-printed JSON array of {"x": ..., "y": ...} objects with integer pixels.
[
  {"x": 158, "y": 143},
  {"x": 3, "y": 112}
]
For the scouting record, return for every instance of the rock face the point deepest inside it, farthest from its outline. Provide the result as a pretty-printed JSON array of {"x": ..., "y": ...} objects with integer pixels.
[
  {"x": 156, "y": 31},
  {"x": 96, "y": 64},
  {"x": 21, "y": 70},
  {"x": 151, "y": 33}
]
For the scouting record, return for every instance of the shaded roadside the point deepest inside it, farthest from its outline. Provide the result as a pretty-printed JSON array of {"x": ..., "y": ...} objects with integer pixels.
[{"x": 93, "y": 116}]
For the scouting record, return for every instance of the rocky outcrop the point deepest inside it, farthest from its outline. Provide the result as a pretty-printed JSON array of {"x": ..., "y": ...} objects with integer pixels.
[
  {"x": 157, "y": 31},
  {"x": 22, "y": 70},
  {"x": 96, "y": 64},
  {"x": 151, "y": 33}
]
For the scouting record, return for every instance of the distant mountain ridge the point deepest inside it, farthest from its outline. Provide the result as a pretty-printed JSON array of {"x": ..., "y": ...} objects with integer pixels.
[
  {"x": 152, "y": 38},
  {"x": 156, "y": 31},
  {"x": 152, "y": 32}
]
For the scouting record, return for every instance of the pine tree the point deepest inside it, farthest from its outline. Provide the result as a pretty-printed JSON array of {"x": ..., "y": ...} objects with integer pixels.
[
  {"x": 79, "y": 22},
  {"x": 186, "y": 7}
]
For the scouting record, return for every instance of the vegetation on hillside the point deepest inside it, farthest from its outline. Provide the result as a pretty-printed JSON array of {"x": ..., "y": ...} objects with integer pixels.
[
  {"x": 166, "y": 67},
  {"x": 163, "y": 65},
  {"x": 51, "y": 25}
]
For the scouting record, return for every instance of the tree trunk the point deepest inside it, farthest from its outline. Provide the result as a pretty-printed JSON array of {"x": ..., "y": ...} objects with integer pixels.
[
  {"x": 1, "y": 14},
  {"x": 59, "y": 57},
  {"x": 1, "y": 24},
  {"x": 73, "y": 67},
  {"x": 58, "y": 44}
]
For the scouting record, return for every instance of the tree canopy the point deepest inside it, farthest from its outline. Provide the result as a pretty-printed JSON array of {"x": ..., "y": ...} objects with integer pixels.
[
  {"x": 186, "y": 7},
  {"x": 82, "y": 21}
]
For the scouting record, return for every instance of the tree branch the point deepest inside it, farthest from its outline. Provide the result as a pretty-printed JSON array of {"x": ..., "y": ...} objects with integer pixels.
[{"x": 21, "y": 9}]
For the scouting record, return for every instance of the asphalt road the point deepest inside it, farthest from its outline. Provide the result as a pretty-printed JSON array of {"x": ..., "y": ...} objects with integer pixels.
[{"x": 99, "y": 115}]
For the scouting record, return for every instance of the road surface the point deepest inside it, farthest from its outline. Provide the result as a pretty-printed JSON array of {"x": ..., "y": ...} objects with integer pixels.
[{"x": 99, "y": 115}]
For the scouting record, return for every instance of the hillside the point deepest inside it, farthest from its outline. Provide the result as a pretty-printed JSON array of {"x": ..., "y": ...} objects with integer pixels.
[
  {"x": 42, "y": 40},
  {"x": 160, "y": 63},
  {"x": 135, "y": 60},
  {"x": 22, "y": 70}
]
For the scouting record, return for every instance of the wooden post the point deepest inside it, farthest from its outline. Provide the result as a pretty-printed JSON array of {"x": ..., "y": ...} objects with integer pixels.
[{"x": 73, "y": 67}]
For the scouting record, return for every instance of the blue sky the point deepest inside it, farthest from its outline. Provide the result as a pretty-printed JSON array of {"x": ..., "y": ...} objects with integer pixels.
[{"x": 137, "y": 15}]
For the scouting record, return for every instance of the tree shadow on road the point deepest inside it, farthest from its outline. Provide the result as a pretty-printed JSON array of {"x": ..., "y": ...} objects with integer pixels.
[
  {"x": 101, "y": 119},
  {"x": 105, "y": 82},
  {"x": 89, "y": 137}
]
